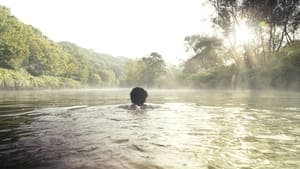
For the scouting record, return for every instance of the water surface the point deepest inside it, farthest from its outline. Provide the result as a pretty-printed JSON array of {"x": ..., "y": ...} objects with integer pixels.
[{"x": 190, "y": 129}]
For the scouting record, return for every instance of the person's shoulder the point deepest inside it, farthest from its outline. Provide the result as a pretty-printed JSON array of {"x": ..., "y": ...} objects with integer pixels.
[{"x": 142, "y": 107}]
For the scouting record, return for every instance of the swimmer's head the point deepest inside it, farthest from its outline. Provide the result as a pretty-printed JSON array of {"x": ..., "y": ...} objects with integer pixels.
[{"x": 138, "y": 96}]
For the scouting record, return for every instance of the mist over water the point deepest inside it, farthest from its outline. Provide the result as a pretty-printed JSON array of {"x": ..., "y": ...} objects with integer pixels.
[{"x": 190, "y": 129}]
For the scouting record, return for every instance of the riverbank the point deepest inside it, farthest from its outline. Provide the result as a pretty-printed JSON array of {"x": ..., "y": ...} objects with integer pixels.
[{"x": 17, "y": 80}]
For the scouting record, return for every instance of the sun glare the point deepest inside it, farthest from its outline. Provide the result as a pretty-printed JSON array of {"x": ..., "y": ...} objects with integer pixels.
[{"x": 242, "y": 34}]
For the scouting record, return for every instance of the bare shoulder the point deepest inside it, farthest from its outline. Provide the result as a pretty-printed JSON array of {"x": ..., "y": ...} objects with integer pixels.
[{"x": 135, "y": 107}]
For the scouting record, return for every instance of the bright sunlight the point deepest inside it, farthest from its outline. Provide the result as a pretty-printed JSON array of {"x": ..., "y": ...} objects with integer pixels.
[{"x": 243, "y": 34}]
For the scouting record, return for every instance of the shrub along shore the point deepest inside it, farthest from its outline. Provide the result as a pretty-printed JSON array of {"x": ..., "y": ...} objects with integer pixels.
[{"x": 13, "y": 80}]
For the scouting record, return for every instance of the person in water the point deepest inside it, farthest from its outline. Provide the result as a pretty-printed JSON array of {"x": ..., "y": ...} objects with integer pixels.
[{"x": 138, "y": 98}]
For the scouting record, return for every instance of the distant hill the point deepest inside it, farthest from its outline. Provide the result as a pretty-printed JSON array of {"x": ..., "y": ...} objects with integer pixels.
[
  {"x": 24, "y": 49},
  {"x": 98, "y": 60}
]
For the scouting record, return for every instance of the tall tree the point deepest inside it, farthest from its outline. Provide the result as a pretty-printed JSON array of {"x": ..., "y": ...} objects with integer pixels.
[
  {"x": 206, "y": 53},
  {"x": 281, "y": 17},
  {"x": 146, "y": 71},
  {"x": 155, "y": 67}
]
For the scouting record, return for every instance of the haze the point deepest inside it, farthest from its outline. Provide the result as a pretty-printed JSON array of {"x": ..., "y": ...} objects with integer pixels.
[{"x": 130, "y": 28}]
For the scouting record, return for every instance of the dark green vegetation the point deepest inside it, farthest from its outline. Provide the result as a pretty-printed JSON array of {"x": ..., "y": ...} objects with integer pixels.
[
  {"x": 214, "y": 66},
  {"x": 149, "y": 71},
  {"x": 270, "y": 59},
  {"x": 28, "y": 59}
]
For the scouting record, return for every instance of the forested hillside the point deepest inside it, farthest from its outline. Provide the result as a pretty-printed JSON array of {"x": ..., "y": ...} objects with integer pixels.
[
  {"x": 28, "y": 59},
  {"x": 249, "y": 52}
]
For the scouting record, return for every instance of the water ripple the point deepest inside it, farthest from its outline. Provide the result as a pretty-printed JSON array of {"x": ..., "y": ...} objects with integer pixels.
[{"x": 175, "y": 135}]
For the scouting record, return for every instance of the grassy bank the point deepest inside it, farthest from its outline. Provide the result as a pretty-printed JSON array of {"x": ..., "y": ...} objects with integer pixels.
[{"x": 15, "y": 80}]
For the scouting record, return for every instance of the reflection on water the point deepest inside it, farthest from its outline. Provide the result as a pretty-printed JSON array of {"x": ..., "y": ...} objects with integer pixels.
[{"x": 190, "y": 129}]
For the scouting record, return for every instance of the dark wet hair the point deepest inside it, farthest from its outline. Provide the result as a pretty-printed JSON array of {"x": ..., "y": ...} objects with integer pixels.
[{"x": 138, "y": 96}]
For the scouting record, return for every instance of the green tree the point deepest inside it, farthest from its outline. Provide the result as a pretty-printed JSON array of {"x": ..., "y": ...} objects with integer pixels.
[
  {"x": 13, "y": 40},
  {"x": 206, "y": 53},
  {"x": 133, "y": 72},
  {"x": 154, "y": 68},
  {"x": 94, "y": 80},
  {"x": 280, "y": 17},
  {"x": 77, "y": 65},
  {"x": 147, "y": 71},
  {"x": 25, "y": 49}
]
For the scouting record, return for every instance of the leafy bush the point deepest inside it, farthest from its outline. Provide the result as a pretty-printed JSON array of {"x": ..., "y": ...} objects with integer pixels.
[{"x": 10, "y": 79}]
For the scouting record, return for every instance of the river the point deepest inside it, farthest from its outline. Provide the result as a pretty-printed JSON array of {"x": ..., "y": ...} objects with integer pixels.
[{"x": 193, "y": 129}]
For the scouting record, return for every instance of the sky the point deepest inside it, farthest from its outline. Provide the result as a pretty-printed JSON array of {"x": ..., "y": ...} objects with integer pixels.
[{"x": 130, "y": 28}]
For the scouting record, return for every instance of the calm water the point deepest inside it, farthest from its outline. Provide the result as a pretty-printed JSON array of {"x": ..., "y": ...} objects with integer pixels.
[{"x": 190, "y": 129}]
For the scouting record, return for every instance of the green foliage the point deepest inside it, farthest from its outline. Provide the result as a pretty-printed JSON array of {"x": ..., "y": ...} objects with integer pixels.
[
  {"x": 145, "y": 72},
  {"x": 13, "y": 40},
  {"x": 133, "y": 73},
  {"x": 286, "y": 67},
  {"x": 29, "y": 60},
  {"x": 94, "y": 80},
  {"x": 171, "y": 79},
  {"x": 205, "y": 51},
  {"x": 154, "y": 68},
  {"x": 108, "y": 77},
  {"x": 280, "y": 17},
  {"x": 10, "y": 79},
  {"x": 92, "y": 67},
  {"x": 267, "y": 70},
  {"x": 25, "y": 49},
  {"x": 221, "y": 77},
  {"x": 77, "y": 67}
]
